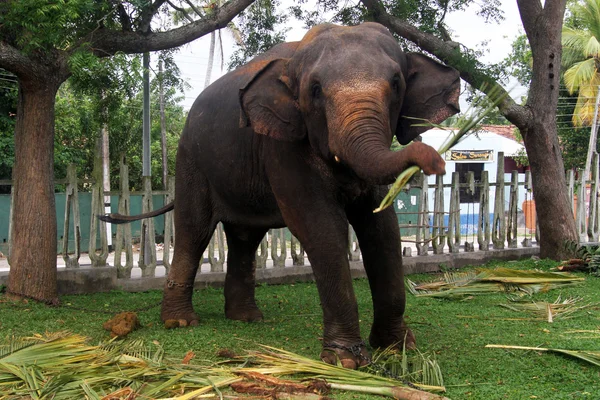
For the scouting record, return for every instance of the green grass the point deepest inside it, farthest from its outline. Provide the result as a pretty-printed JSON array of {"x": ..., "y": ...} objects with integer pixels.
[{"x": 293, "y": 322}]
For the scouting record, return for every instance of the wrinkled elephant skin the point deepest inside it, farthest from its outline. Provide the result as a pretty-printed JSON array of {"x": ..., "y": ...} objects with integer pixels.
[{"x": 300, "y": 137}]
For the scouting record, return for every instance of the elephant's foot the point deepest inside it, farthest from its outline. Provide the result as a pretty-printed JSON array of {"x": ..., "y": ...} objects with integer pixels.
[
  {"x": 246, "y": 312},
  {"x": 350, "y": 356},
  {"x": 177, "y": 310},
  {"x": 402, "y": 337}
]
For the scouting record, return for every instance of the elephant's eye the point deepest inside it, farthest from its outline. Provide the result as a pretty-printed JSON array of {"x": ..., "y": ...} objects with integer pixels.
[
  {"x": 316, "y": 91},
  {"x": 396, "y": 83}
]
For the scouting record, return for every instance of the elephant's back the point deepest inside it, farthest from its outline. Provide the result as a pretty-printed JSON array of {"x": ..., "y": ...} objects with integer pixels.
[{"x": 226, "y": 155}]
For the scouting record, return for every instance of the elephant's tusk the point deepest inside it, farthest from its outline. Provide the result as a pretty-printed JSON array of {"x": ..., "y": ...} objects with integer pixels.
[{"x": 336, "y": 158}]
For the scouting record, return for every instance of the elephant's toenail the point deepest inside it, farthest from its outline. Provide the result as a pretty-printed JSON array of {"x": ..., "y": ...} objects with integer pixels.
[
  {"x": 349, "y": 364},
  {"x": 183, "y": 322}
]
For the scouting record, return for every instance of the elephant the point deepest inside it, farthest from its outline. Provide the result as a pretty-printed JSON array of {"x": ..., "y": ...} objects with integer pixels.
[{"x": 300, "y": 137}]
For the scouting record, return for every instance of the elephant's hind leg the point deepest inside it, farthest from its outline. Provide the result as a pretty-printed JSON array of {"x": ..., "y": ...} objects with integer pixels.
[
  {"x": 240, "y": 281},
  {"x": 193, "y": 236}
]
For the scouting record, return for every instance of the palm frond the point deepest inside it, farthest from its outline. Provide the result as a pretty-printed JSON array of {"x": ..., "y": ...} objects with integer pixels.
[
  {"x": 482, "y": 281},
  {"x": 592, "y": 357},
  {"x": 579, "y": 73},
  {"x": 548, "y": 311},
  {"x": 274, "y": 361}
]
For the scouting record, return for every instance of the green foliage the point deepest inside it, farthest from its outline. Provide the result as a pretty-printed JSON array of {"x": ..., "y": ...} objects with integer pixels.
[
  {"x": 260, "y": 28},
  {"x": 8, "y": 110},
  {"x": 519, "y": 62},
  {"x": 38, "y": 25}
]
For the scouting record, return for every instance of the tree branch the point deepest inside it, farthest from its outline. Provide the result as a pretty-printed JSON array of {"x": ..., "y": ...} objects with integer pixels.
[
  {"x": 450, "y": 53},
  {"x": 106, "y": 42},
  {"x": 530, "y": 10}
]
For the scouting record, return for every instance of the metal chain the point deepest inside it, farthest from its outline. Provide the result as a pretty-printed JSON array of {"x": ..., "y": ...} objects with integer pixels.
[
  {"x": 355, "y": 350},
  {"x": 171, "y": 283}
]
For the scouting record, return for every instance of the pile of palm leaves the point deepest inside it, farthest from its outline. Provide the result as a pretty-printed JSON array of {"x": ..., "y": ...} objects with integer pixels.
[
  {"x": 64, "y": 366},
  {"x": 483, "y": 281},
  {"x": 592, "y": 357},
  {"x": 586, "y": 258},
  {"x": 548, "y": 311}
]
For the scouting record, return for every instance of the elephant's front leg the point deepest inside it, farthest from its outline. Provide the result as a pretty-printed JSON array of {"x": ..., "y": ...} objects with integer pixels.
[
  {"x": 323, "y": 231},
  {"x": 379, "y": 240}
]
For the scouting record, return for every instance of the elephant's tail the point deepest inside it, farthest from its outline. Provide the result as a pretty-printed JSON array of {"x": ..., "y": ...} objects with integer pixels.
[{"x": 123, "y": 219}]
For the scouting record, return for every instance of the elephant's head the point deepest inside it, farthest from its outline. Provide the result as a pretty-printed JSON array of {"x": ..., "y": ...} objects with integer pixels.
[{"x": 349, "y": 89}]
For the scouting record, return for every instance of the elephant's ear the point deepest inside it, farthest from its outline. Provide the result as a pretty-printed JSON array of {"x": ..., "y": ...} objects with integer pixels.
[
  {"x": 268, "y": 105},
  {"x": 432, "y": 92}
]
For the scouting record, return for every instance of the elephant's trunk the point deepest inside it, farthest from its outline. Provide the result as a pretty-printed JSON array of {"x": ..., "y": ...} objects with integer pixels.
[{"x": 363, "y": 141}]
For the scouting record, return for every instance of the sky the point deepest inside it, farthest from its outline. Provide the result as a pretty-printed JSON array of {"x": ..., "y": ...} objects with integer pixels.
[{"x": 466, "y": 28}]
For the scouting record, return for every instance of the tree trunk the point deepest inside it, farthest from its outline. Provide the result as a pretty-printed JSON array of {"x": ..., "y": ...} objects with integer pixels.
[
  {"x": 33, "y": 255},
  {"x": 211, "y": 59},
  {"x": 557, "y": 226}
]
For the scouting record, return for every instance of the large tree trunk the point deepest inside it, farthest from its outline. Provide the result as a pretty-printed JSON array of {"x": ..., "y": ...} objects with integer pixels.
[
  {"x": 33, "y": 250},
  {"x": 543, "y": 26}
]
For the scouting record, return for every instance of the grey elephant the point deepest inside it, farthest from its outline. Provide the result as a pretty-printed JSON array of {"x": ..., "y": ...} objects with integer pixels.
[{"x": 300, "y": 137}]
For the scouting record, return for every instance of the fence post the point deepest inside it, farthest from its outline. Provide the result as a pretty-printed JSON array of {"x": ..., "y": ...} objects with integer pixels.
[
  {"x": 261, "y": 259},
  {"x": 72, "y": 208},
  {"x": 98, "y": 260},
  {"x": 483, "y": 231},
  {"x": 216, "y": 264},
  {"x": 470, "y": 190},
  {"x": 499, "y": 226},
  {"x": 571, "y": 189},
  {"x": 438, "y": 235},
  {"x": 423, "y": 233},
  {"x": 580, "y": 219},
  {"x": 147, "y": 262},
  {"x": 169, "y": 236},
  {"x": 278, "y": 239},
  {"x": 593, "y": 222},
  {"x": 531, "y": 209},
  {"x": 297, "y": 257},
  {"x": 454, "y": 216},
  {"x": 124, "y": 238},
  {"x": 511, "y": 229},
  {"x": 353, "y": 247}
]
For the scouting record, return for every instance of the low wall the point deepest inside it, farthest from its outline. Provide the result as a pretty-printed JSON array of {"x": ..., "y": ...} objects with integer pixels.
[{"x": 87, "y": 279}]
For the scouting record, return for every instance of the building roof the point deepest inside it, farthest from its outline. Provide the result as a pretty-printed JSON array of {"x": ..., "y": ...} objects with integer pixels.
[
  {"x": 507, "y": 131},
  {"x": 490, "y": 137}
]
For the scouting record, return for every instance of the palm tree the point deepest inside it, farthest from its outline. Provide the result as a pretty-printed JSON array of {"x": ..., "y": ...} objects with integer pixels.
[{"x": 581, "y": 58}]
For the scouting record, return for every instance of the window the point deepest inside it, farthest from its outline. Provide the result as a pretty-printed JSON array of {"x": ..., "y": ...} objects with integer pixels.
[{"x": 462, "y": 169}]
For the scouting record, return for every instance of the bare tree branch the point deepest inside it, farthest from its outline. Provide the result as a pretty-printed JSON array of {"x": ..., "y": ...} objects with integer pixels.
[
  {"x": 182, "y": 11},
  {"x": 530, "y": 11},
  {"x": 107, "y": 42},
  {"x": 449, "y": 52}
]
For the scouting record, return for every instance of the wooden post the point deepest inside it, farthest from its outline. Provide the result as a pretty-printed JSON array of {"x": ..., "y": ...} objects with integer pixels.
[
  {"x": 423, "y": 229},
  {"x": 278, "y": 239},
  {"x": 454, "y": 216},
  {"x": 470, "y": 246},
  {"x": 438, "y": 235},
  {"x": 593, "y": 222},
  {"x": 580, "y": 219},
  {"x": 147, "y": 262},
  {"x": 218, "y": 239},
  {"x": 261, "y": 258},
  {"x": 98, "y": 259},
  {"x": 72, "y": 209},
  {"x": 499, "y": 225},
  {"x": 483, "y": 226},
  {"x": 530, "y": 213},
  {"x": 297, "y": 257},
  {"x": 124, "y": 237},
  {"x": 169, "y": 237},
  {"x": 10, "y": 222},
  {"x": 353, "y": 247},
  {"x": 511, "y": 229}
]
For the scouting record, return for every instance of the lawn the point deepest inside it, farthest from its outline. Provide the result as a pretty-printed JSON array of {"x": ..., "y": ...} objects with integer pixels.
[{"x": 455, "y": 331}]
